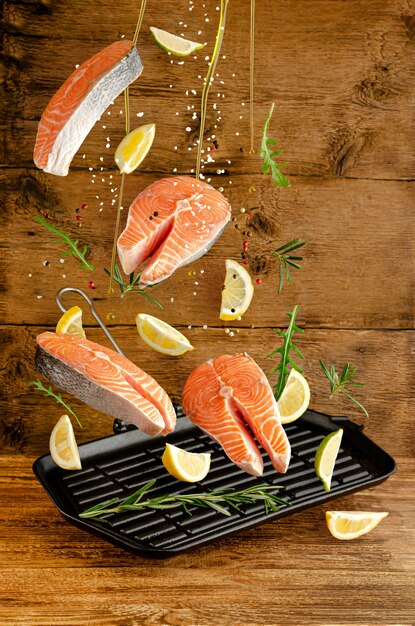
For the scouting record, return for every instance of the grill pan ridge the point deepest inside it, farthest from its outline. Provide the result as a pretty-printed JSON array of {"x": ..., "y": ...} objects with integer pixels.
[{"x": 117, "y": 465}]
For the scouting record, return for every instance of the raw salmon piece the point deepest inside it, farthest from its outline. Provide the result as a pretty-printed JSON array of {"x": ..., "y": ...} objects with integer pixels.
[
  {"x": 79, "y": 103},
  {"x": 106, "y": 381},
  {"x": 208, "y": 403},
  {"x": 172, "y": 222}
]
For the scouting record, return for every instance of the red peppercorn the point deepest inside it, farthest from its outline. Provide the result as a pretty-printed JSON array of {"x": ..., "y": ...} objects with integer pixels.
[
  {"x": 246, "y": 262},
  {"x": 84, "y": 205},
  {"x": 78, "y": 218},
  {"x": 249, "y": 216},
  {"x": 245, "y": 246},
  {"x": 91, "y": 284},
  {"x": 258, "y": 281}
]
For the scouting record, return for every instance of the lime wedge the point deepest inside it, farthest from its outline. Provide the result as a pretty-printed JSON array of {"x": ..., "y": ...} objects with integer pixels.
[
  {"x": 172, "y": 43},
  {"x": 326, "y": 456}
]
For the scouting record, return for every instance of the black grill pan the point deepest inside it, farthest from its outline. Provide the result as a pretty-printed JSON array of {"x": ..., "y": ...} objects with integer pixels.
[{"x": 119, "y": 464}]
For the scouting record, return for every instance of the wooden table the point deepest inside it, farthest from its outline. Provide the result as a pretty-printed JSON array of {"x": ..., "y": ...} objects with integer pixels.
[{"x": 342, "y": 76}]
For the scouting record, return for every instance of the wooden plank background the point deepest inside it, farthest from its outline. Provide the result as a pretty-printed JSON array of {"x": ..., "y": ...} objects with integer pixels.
[{"x": 342, "y": 76}]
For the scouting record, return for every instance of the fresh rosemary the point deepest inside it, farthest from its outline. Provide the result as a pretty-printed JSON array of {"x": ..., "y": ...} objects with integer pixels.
[
  {"x": 284, "y": 352},
  {"x": 135, "y": 501},
  {"x": 57, "y": 396},
  {"x": 285, "y": 260},
  {"x": 339, "y": 382},
  {"x": 67, "y": 240},
  {"x": 131, "y": 286},
  {"x": 268, "y": 156}
]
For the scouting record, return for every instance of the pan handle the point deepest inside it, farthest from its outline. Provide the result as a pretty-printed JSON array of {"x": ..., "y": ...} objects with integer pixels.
[{"x": 93, "y": 311}]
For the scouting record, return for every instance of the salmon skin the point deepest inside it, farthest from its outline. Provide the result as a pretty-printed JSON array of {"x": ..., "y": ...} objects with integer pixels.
[
  {"x": 79, "y": 103},
  {"x": 106, "y": 381},
  {"x": 223, "y": 396},
  {"x": 173, "y": 222}
]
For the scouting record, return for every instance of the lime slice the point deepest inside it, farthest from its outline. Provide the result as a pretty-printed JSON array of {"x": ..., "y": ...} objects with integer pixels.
[
  {"x": 134, "y": 148},
  {"x": 237, "y": 291},
  {"x": 161, "y": 336},
  {"x": 295, "y": 398},
  {"x": 71, "y": 322},
  {"x": 352, "y": 524},
  {"x": 172, "y": 43},
  {"x": 188, "y": 466},
  {"x": 62, "y": 445},
  {"x": 326, "y": 456}
]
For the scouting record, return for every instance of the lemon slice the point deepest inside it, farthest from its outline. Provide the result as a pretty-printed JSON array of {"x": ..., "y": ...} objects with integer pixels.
[
  {"x": 134, "y": 148},
  {"x": 326, "y": 456},
  {"x": 237, "y": 291},
  {"x": 188, "y": 466},
  {"x": 295, "y": 398},
  {"x": 352, "y": 524},
  {"x": 62, "y": 445},
  {"x": 71, "y": 322},
  {"x": 161, "y": 336},
  {"x": 172, "y": 43}
]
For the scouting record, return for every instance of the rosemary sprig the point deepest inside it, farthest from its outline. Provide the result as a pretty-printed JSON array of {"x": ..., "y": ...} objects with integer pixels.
[
  {"x": 134, "y": 502},
  {"x": 339, "y": 382},
  {"x": 285, "y": 260},
  {"x": 38, "y": 386},
  {"x": 268, "y": 156},
  {"x": 131, "y": 286},
  {"x": 284, "y": 352},
  {"x": 68, "y": 241}
]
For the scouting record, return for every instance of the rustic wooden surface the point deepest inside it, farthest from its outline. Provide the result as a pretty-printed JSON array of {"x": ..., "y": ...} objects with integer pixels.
[{"x": 342, "y": 75}]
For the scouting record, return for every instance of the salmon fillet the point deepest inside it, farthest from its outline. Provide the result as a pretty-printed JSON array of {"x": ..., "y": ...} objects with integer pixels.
[
  {"x": 79, "y": 103},
  {"x": 105, "y": 380},
  {"x": 173, "y": 222},
  {"x": 224, "y": 395}
]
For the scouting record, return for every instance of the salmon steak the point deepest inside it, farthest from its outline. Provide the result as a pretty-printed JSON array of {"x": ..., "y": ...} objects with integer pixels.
[
  {"x": 231, "y": 400},
  {"x": 173, "y": 222},
  {"x": 105, "y": 380},
  {"x": 79, "y": 103}
]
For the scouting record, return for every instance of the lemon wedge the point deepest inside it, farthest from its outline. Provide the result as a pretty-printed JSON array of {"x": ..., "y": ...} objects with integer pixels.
[
  {"x": 352, "y": 524},
  {"x": 237, "y": 291},
  {"x": 172, "y": 43},
  {"x": 188, "y": 466},
  {"x": 62, "y": 445},
  {"x": 295, "y": 398},
  {"x": 71, "y": 322},
  {"x": 134, "y": 148},
  {"x": 326, "y": 455},
  {"x": 161, "y": 336}
]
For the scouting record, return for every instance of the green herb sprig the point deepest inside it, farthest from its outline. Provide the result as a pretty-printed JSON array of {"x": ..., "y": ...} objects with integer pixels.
[
  {"x": 268, "y": 155},
  {"x": 339, "y": 382},
  {"x": 284, "y": 351},
  {"x": 286, "y": 260},
  {"x": 131, "y": 286},
  {"x": 135, "y": 501},
  {"x": 67, "y": 240},
  {"x": 38, "y": 386}
]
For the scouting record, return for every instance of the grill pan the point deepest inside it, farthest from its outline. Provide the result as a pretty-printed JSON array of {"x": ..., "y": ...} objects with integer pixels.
[{"x": 119, "y": 464}]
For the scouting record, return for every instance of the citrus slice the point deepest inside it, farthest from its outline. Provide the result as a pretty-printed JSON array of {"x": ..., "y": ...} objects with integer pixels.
[
  {"x": 237, "y": 291},
  {"x": 62, "y": 445},
  {"x": 188, "y": 466},
  {"x": 134, "y": 148},
  {"x": 71, "y": 322},
  {"x": 326, "y": 455},
  {"x": 295, "y": 398},
  {"x": 172, "y": 43},
  {"x": 352, "y": 524},
  {"x": 161, "y": 336}
]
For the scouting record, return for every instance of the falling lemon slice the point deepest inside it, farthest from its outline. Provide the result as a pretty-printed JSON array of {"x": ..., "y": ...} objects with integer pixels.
[
  {"x": 71, "y": 322},
  {"x": 134, "y": 148},
  {"x": 62, "y": 445},
  {"x": 188, "y": 466},
  {"x": 326, "y": 455},
  {"x": 172, "y": 43},
  {"x": 352, "y": 524},
  {"x": 295, "y": 398},
  {"x": 161, "y": 336},
  {"x": 237, "y": 291}
]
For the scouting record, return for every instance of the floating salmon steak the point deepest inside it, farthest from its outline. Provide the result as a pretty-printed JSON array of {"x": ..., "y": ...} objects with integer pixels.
[
  {"x": 223, "y": 396},
  {"x": 105, "y": 380},
  {"x": 171, "y": 223},
  {"x": 80, "y": 102}
]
